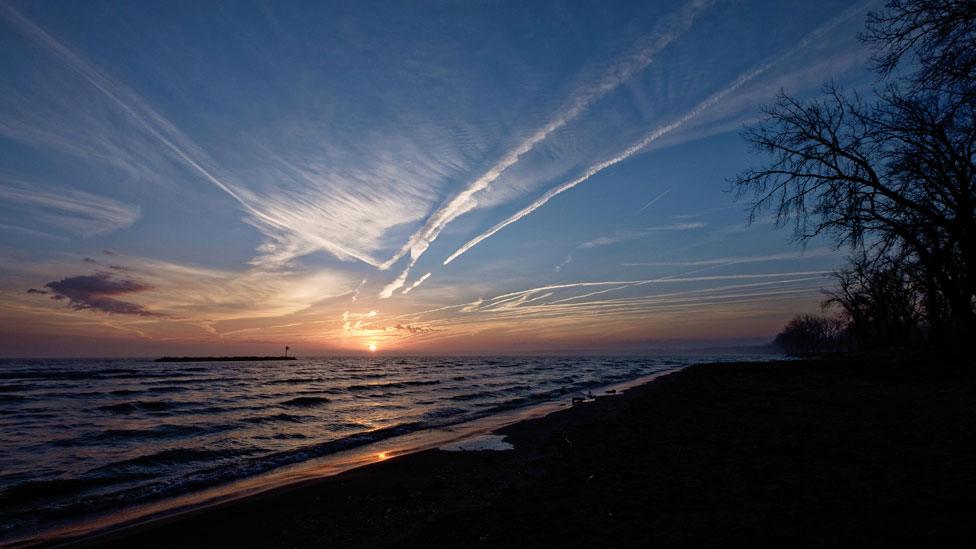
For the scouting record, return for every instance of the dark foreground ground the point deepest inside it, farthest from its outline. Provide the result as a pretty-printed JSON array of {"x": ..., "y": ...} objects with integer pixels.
[{"x": 820, "y": 453}]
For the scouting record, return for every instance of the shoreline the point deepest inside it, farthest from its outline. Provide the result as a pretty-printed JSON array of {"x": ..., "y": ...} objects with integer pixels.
[
  {"x": 294, "y": 476},
  {"x": 840, "y": 451}
]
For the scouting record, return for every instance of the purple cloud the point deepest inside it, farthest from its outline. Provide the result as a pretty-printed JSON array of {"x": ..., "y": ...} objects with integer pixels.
[{"x": 96, "y": 292}]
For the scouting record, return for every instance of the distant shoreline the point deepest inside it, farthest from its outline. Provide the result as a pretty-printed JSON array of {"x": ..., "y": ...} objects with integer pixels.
[{"x": 221, "y": 358}]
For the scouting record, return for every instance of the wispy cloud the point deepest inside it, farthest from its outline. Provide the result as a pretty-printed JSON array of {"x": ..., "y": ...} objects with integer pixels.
[
  {"x": 416, "y": 283},
  {"x": 553, "y": 310},
  {"x": 657, "y": 133},
  {"x": 466, "y": 200},
  {"x": 622, "y": 236},
  {"x": 677, "y": 226},
  {"x": 607, "y": 240},
  {"x": 660, "y": 280},
  {"x": 75, "y": 211},
  {"x": 294, "y": 226},
  {"x": 737, "y": 260},
  {"x": 653, "y": 201}
]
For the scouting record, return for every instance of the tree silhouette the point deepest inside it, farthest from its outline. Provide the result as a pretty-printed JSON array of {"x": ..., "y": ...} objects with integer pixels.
[{"x": 894, "y": 177}]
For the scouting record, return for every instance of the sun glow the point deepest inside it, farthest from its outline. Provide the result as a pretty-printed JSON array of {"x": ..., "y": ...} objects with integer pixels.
[{"x": 372, "y": 347}]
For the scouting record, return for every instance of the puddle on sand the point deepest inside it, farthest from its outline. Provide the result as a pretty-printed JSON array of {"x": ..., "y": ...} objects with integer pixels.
[{"x": 483, "y": 442}]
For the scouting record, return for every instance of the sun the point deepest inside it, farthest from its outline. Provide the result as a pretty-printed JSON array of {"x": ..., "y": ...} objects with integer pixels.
[{"x": 372, "y": 347}]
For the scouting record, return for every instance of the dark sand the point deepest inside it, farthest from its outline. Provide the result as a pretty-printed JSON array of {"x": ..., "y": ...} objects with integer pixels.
[{"x": 816, "y": 453}]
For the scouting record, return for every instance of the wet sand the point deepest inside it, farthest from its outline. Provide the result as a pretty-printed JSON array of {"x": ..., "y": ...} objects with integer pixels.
[{"x": 830, "y": 452}]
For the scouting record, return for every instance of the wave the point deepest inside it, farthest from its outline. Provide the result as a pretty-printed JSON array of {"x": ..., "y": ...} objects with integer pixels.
[
  {"x": 473, "y": 396},
  {"x": 165, "y": 389},
  {"x": 274, "y": 418},
  {"x": 254, "y": 419},
  {"x": 295, "y": 380},
  {"x": 35, "y": 490},
  {"x": 138, "y": 406},
  {"x": 170, "y": 456},
  {"x": 447, "y": 411},
  {"x": 304, "y": 402},
  {"x": 392, "y": 385},
  {"x": 203, "y": 478},
  {"x": 164, "y": 431}
]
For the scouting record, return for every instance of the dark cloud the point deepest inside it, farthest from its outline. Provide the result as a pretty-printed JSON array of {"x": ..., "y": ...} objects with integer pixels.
[
  {"x": 108, "y": 252},
  {"x": 89, "y": 260},
  {"x": 36, "y": 291},
  {"x": 96, "y": 292},
  {"x": 118, "y": 268},
  {"x": 413, "y": 329}
]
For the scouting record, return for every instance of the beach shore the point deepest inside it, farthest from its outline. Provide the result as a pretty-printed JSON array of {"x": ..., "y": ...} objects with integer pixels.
[{"x": 821, "y": 452}]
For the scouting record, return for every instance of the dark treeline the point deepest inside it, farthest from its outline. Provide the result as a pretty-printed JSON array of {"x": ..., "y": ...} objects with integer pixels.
[{"x": 891, "y": 176}]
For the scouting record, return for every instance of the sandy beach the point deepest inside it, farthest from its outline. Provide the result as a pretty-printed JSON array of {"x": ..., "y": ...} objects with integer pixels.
[{"x": 826, "y": 452}]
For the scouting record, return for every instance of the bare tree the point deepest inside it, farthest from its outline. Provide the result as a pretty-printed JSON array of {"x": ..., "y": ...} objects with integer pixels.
[
  {"x": 939, "y": 34},
  {"x": 895, "y": 177},
  {"x": 810, "y": 335},
  {"x": 880, "y": 301}
]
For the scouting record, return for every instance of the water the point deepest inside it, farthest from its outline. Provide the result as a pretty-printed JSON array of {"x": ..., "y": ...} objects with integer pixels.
[{"x": 80, "y": 437}]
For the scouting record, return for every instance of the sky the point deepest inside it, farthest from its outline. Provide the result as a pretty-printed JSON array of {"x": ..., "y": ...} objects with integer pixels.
[{"x": 429, "y": 177}]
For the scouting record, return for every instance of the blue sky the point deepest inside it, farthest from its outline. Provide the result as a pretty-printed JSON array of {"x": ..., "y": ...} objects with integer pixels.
[{"x": 428, "y": 177}]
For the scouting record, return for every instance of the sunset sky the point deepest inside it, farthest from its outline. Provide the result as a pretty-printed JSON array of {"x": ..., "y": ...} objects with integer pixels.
[{"x": 438, "y": 177}]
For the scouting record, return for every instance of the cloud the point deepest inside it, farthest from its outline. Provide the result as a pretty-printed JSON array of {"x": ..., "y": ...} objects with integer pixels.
[
  {"x": 355, "y": 293},
  {"x": 36, "y": 291},
  {"x": 313, "y": 215},
  {"x": 207, "y": 294},
  {"x": 611, "y": 239},
  {"x": 735, "y": 260},
  {"x": 97, "y": 292},
  {"x": 653, "y": 201},
  {"x": 637, "y": 233},
  {"x": 466, "y": 200},
  {"x": 416, "y": 283},
  {"x": 661, "y": 280},
  {"x": 658, "y": 132},
  {"x": 677, "y": 226},
  {"x": 395, "y": 285},
  {"x": 412, "y": 329},
  {"x": 74, "y": 211}
]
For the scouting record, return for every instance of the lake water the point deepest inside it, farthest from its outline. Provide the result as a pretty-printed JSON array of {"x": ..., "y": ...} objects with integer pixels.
[{"x": 84, "y": 437}]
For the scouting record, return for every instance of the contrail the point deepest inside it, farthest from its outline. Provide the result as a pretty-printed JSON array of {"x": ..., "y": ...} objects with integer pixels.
[
  {"x": 662, "y": 280},
  {"x": 416, "y": 283},
  {"x": 653, "y": 201},
  {"x": 657, "y": 133},
  {"x": 155, "y": 124},
  {"x": 465, "y": 201}
]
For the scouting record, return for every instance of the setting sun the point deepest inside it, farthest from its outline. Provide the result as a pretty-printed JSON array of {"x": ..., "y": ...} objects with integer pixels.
[{"x": 372, "y": 347}]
